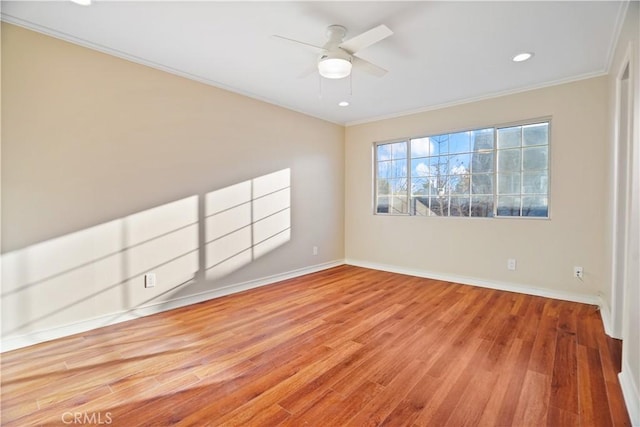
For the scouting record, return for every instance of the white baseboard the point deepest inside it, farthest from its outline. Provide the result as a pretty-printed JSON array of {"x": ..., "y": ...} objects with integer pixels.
[
  {"x": 630, "y": 394},
  {"x": 605, "y": 314},
  {"x": 502, "y": 286},
  {"x": 15, "y": 342}
]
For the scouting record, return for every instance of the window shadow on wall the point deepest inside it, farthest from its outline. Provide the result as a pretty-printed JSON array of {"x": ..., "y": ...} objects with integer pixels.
[{"x": 99, "y": 271}]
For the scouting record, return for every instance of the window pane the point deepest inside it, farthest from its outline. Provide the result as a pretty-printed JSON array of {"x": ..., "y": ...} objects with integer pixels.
[
  {"x": 460, "y": 184},
  {"x": 440, "y": 144},
  {"x": 448, "y": 183},
  {"x": 439, "y": 165},
  {"x": 482, "y": 183},
  {"x": 398, "y": 168},
  {"x": 392, "y": 196},
  {"x": 482, "y": 162},
  {"x": 382, "y": 204},
  {"x": 397, "y": 186},
  {"x": 420, "y": 147},
  {"x": 534, "y": 158},
  {"x": 384, "y": 152},
  {"x": 535, "y": 182},
  {"x": 482, "y": 139},
  {"x": 420, "y": 167},
  {"x": 459, "y": 142},
  {"x": 459, "y": 164},
  {"x": 439, "y": 185},
  {"x": 537, "y": 134},
  {"x": 398, "y": 204},
  {"x": 508, "y": 206},
  {"x": 535, "y": 206},
  {"x": 433, "y": 148},
  {"x": 459, "y": 206},
  {"x": 509, "y": 137},
  {"x": 439, "y": 206},
  {"x": 509, "y": 183},
  {"x": 419, "y": 186},
  {"x": 420, "y": 205},
  {"x": 482, "y": 206},
  {"x": 399, "y": 150},
  {"x": 430, "y": 185},
  {"x": 509, "y": 160},
  {"x": 384, "y": 169},
  {"x": 384, "y": 187}
]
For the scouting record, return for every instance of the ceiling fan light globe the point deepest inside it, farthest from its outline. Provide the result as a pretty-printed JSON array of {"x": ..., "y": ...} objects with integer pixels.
[{"x": 334, "y": 68}]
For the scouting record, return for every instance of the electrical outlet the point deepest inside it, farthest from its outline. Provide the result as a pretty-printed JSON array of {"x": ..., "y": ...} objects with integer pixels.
[
  {"x": 315, "y": 250},
  {"x": 150, "y": 280},
  {"x": 577, "y": 272},
  {"x": 511, "y": 264}
]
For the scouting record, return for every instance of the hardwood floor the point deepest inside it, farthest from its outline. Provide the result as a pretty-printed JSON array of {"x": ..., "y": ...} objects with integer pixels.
[{"x": 344, "y": 347}]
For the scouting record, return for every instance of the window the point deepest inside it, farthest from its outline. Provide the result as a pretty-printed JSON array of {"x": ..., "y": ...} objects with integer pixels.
[{"x": 497, "y": 171}]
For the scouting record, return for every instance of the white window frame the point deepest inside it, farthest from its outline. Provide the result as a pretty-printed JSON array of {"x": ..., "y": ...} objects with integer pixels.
[{"x": 495, "y": 172}]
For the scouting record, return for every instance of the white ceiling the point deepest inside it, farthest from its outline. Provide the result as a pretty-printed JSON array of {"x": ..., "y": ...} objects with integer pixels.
[{"x": 440, "y": 53}]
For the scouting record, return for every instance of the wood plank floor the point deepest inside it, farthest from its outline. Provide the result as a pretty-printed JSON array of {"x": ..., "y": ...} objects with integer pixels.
[{"x": 343, "y": 347}]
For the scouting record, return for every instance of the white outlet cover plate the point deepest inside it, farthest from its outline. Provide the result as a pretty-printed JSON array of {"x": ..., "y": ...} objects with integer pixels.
[{"x": 149, "y": 280}]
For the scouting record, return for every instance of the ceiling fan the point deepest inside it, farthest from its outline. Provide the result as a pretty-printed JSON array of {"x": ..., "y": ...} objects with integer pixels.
[{"x": 338, "y": 56}]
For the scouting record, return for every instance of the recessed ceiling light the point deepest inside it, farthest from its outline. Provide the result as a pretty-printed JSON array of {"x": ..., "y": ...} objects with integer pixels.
[
  {"x": 82, "y": 2},
  {"x": 343, "y": 103},
  {"x": 521, "y": 57}
]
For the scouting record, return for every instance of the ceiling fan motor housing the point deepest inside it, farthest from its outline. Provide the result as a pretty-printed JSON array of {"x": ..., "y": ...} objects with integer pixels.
[
  {"x": 336, "y": 32},
  {"x": 335, "y": 54}
]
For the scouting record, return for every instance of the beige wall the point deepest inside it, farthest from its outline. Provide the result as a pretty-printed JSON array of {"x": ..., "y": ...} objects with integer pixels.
[
  {"x": 112, "y": 169},
  {"x": 477, "y": 249}
]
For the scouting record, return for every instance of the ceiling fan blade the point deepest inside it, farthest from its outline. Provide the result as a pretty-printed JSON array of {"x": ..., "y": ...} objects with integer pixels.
[
  {"x": 316, "y": 49},
  {"x": 368, "y": 67},
  {"x": 366, "y": 39}
]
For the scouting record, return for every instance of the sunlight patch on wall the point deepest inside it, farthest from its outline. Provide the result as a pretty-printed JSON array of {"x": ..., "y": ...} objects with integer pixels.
[
  {"x": 99, "y": 270},
  {"x": 164, "y": 241},
  {"x": 246, "y": 221}
]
